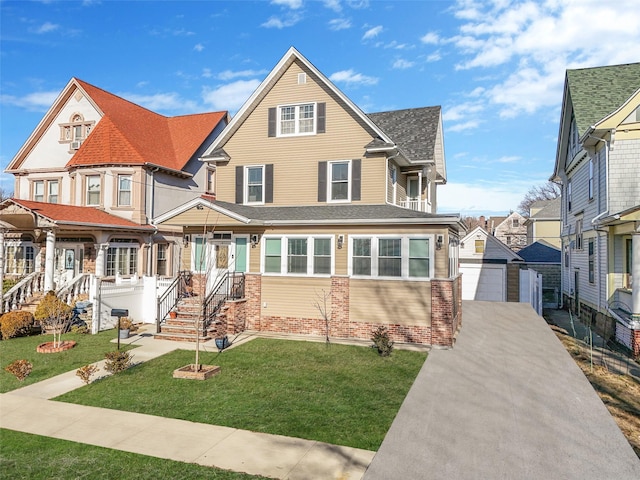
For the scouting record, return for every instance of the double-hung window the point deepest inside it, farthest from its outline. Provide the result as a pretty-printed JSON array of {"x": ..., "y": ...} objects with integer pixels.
[
  {"x": 38, "y": 191},
  {"x": 297, "y": 119},
  {"x": 53, "y": 191},
  {"x": 124, "y": 190},
  {"x": 592, "y": 269},
  {"x": 298, "y": 255},
  {"x": 391, "y": 256},
  {"x": 255, "y": 184},
  {"x": 339, "y": 185},
  {"x": 93, "y": 183},
  {"x": 45, "y": 191}
]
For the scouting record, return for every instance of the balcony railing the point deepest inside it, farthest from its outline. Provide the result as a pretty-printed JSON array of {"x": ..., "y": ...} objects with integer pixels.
[{"x": 418, "y": 205}]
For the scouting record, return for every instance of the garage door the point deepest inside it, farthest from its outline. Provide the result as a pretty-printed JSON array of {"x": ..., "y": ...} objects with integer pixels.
[{"x": 484, "y": 282}]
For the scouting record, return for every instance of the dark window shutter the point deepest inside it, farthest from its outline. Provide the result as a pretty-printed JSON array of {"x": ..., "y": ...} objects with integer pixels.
[
  {"x": 322, "y": 118},
  {"x": 272, "y": 122},
  {"x": 322, "y": 181},
  {"x": 268, "y": 183},
  {"x": 239, "y": 184},
  {"x": 356, "y": 167}
]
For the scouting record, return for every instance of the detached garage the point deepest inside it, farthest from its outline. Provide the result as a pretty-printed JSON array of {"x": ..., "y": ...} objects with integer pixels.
[{"x": 483, "y": 264}]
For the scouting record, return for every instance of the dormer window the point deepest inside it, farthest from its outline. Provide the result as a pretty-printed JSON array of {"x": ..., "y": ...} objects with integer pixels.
[{"x": 76, "y": 131}]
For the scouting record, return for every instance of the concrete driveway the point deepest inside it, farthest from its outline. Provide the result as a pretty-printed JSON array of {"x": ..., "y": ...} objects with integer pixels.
[{"x": 507, "y": 402}]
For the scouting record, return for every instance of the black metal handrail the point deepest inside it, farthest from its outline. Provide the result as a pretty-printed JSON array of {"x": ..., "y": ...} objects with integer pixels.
[
  {"x": 231, "y": 285},
  {"x": 169, "y": 299}
]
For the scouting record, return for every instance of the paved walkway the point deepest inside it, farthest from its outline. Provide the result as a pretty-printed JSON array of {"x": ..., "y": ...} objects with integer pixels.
[
  {"x": 29, "y": 410},
  {"x": 508, "y": 402}
]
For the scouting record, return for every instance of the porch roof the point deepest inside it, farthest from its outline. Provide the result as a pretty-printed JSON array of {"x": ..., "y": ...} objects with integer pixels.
[{"x": 71, "y": 215}]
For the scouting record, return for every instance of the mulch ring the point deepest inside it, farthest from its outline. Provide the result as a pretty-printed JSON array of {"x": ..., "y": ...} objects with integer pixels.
[{"x": 51, "y": 347}]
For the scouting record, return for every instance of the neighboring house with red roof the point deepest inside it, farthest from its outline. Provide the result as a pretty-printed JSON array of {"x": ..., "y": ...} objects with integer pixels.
[{"x": 91, "y": 178}]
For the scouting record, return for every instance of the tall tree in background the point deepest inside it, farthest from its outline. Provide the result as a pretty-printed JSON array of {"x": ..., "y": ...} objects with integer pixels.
[
  {"x": 546, "y": 191},
  {"x": 4, "y": 194}
]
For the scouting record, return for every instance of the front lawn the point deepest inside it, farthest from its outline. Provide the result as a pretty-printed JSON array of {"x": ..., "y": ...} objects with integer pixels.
[
  {"x": 88, "y": 349},
  {"x": 338, "y": 394},
  {"x": 26, "y": 456}
]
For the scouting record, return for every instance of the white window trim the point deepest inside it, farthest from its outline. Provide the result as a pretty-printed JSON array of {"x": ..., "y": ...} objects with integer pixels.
[
  {"x": 330, "y": 183},
  {"x": 118, "y": 190},
  {"x": 246, "y": 184},
  {"x": 405, "y": 256},
  {"x": 86, "y": 190},
  {"x": 284, "y": 251},
  {"x": 296, "y": 120}
]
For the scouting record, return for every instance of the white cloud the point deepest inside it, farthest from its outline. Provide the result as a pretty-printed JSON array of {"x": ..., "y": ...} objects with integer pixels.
[
  {"x": 206, "y": 73},
  {"x": 37, "y": 101},
  {"x": 461, "y": 127},
  {"x": 358, "y": 4},
  {"x": 231, "y": 96},
  {"x": 477, "y": 199},
  {"x": 230, "y": 75},
  {"x": 289, "y": 20},
  {"x": 535, "y": 42},
  {"x": 351, "y": 77},
  {"x": 402, "y": 64},
  {"x": 199, "y": 47},
  {"x": 46, "y": 27},
  {"x": 372, "y": 32},
  {"x": 434, "y": 57},
  {"x": 339, "y": 24},
  {"x": 170, "y": 102},
  {"x": 333, "y": 5},
  {"x": 508, "y": 159},
  {"x": 430, "y": 38},
  {"x": 462, "y": 111},
  {"x": 292, "y": 4}
]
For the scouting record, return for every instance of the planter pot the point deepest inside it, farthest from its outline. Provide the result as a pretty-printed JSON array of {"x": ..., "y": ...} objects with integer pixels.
[
  {"x": 124, "y": 333},
  {"x": 189, "y": 372},
  {"x": 173, "y": 314},
  {"x": 222, "y": 343}
]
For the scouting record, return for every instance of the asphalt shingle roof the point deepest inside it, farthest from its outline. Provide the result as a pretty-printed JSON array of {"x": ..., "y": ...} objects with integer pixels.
[
  {"x": 540, "y": 252},
  {"x": 596, "y": 92},
  {"x": 549, "y": 208},
  {"x": 414, "y": 130}
]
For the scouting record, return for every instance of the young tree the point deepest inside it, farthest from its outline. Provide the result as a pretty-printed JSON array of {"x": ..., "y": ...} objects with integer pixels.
[
  {"x": 54, "y": 314},
  {"x": 546, "y": 191}
]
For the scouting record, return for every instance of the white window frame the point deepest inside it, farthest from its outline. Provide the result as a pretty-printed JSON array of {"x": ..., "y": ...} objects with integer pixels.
[
  {"x": 330, "y": 165},
  {"x": 284, "y": 252},
  {"x": 119, "y": 190},
  {"x": 51, "y": 183},
  {"x": 404, "y": 255},
  {"x": 36, "y": 184},
  {"x": 210, "y": 180},
  {"x": 296, "y": 119},
  {"x": 128, "y": 247},
  {"x": 86, "y": 180},
  {"x": 246, "y": 184},
  {"x": 590, "y": 179}
]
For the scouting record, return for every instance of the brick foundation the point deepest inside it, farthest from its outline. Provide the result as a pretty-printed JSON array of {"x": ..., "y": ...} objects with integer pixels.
[
  {"x": 445, "y": 314},
  {"x": 635, "y": 342}
]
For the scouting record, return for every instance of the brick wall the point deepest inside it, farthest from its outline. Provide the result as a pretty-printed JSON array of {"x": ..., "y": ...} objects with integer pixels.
[
  {"x": 635, "y": 342},
  {"x": 446, "y": 308}
]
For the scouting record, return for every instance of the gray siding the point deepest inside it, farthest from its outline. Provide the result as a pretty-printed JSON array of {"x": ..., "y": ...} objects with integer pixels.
[{"x": 624, "y": 180}]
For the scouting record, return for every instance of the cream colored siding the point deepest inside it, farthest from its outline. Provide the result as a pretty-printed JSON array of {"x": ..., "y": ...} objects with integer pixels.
[
  {"x": 278, "y": 301},
  {"x": 296, "y": 158},
  {"x": 380, "y": 301},
  {"x": 208, "y": 217}
]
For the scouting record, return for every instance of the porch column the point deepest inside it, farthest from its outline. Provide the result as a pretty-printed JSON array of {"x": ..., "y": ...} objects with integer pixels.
[
  {"x": 635, "y": 275},
  {"x": 101, "y": 249},
  {"x": 49, "y": 259}
]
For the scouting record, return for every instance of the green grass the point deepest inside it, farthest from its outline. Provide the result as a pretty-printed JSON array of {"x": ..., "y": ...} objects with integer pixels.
[
  {"x": 89, "y": 349},
  {"x": 338, "y": 394},
  {"x": 26, "y": 456}
]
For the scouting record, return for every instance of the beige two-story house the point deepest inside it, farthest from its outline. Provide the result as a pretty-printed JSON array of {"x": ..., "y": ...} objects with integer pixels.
[
  {"x": 316, "y": 202},
  {"x": 90, "y": 179}
]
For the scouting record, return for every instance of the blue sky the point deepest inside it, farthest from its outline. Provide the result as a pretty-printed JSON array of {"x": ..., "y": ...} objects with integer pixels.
[{"x": 495, "y": 66}]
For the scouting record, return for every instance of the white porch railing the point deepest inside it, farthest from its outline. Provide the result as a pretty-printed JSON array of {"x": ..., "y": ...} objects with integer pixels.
[
  {"x": 418, "y": 205},
  {"x": 22, "y": 291},
  {"x": 77, "y": 286}
]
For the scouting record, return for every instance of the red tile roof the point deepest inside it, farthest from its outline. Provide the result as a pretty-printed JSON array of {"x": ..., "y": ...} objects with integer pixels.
[
  {"x": 132, "y": 135},
  {"x": 72, "y": 215}
]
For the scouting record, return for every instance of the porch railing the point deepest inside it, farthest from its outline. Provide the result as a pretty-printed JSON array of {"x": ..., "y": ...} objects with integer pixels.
[
  {"x": 231, "y": 285},
  {"x": 169, "y": 299},
  {"x": 22, "y": 291},
  {"x": 418, "y": 205},
  {"x": 77, "y": 286}
]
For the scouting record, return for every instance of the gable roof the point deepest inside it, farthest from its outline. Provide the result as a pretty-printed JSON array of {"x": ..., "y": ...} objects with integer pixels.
[
  {"x": 549, "y": 209},
  {"x": 78, "y": 216},
  {"x": 128, "y": 134},
  {"x": 494, "y": 248},
  {"x": 416, "y": 132},
  {"x": 540, "y": 252},
  {"x": 276, "y": 73},
  {"x": 596, "y": 92}
]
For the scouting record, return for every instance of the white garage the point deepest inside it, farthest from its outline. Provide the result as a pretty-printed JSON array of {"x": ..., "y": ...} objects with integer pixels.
[{"x": 482, "y": 281}]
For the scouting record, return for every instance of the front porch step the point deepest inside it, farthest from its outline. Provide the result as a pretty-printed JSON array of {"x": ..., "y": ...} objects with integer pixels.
[{"x": 180, "y": 337}]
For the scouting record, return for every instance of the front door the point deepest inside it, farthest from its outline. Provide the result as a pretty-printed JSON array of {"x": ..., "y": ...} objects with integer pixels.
[{"x": 413, "y": 195}]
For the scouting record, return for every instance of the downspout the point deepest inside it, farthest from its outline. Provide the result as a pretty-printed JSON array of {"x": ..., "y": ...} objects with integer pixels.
[
  {"x": 386, "y": 180},
  {"x": 150, "y": 217}
]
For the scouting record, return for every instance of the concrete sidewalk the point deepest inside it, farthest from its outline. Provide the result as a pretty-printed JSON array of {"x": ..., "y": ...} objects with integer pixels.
[
  {"x": 506, "y": 402},
  {"x": 28, "y": 410}
]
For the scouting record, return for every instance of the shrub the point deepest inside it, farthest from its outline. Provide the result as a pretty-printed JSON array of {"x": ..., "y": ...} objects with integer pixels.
[
  {"x": 82, "y": 329},
  {"x": 16, "y": 323},
  {"x": 117, "y": 361},
  {"x": 54, "y": 314},
  {"x": 125, "y": 323},
  {"x": 20, "y": 368},
  {"x": 7, "y": 284},
  {"x": 85, "y": 372},
  {"x": 382, "y": 341}
]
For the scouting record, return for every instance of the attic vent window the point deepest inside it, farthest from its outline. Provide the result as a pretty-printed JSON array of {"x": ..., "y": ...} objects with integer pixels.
[
  {"x": 302, "y": 78},
  {"x": 75, "y": 131}
]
